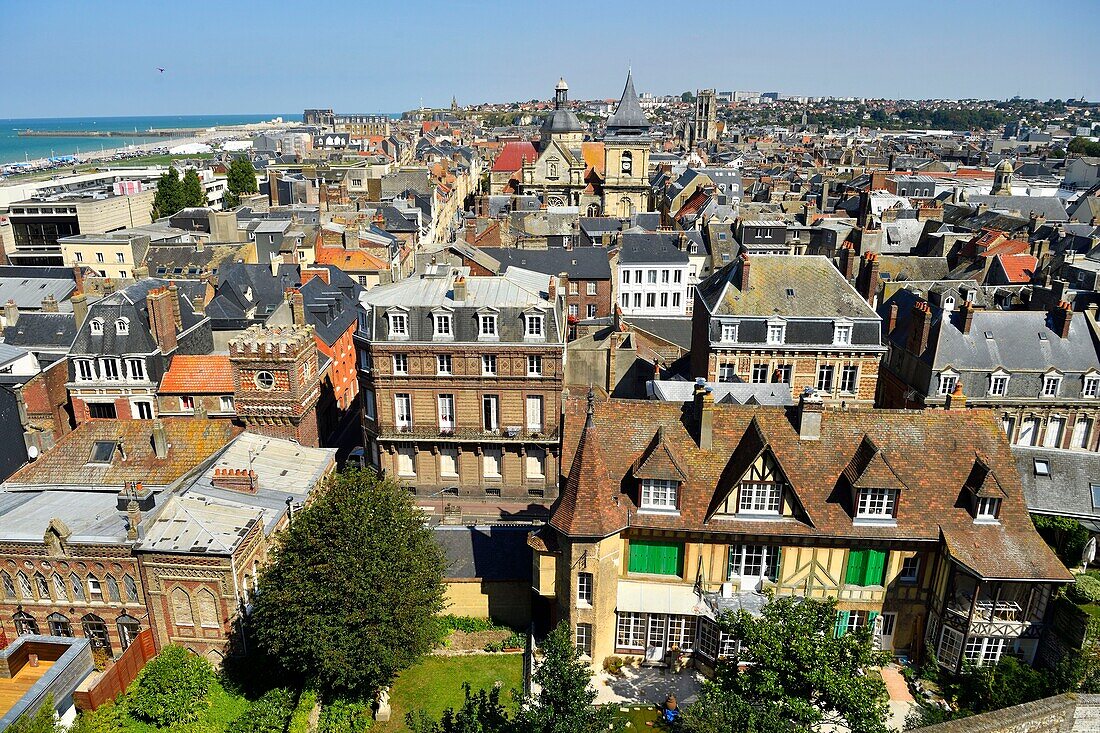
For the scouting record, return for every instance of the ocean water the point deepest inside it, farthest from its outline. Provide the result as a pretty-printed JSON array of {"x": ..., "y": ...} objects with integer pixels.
[{"x": 14, "y": 148}]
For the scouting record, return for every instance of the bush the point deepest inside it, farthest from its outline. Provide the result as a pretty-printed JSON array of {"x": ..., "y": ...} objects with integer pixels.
[
  {"x": 42, "y": 721},
  {"x": 494, "y": 646},
  {"x": 614, "y": 665},
  {"x": 1086, "y": 589},
  {"x": 299, "y": 720},
  {"x": 171, "y": 689},
  {"x": 268, "y": 714},
  {"x": 345, "y": 716},
  {"x": 515, "y": 640},
  {"x": 109, "y": 718}
]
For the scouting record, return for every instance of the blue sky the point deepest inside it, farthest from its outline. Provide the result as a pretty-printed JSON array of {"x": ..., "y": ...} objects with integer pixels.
[{"x": 85, "y": 58}]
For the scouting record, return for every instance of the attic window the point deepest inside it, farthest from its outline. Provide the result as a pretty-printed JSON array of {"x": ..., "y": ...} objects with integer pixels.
[
  {"x": 1095, "y": 495},
  {"x": 989, "y": 334},
  {"x": 790, "y": 292},
  {"x": 1042, "y": 467},
  {"x": 102, "y": 451}
]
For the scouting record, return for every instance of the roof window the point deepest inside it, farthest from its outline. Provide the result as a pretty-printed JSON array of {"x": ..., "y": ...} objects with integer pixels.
[
  {"x": 102, "y": 451},
  {"x": 1042, "y": 467}
]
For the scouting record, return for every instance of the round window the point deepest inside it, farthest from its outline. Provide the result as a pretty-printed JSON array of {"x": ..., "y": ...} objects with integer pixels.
[{"x": 265, "y": 380}]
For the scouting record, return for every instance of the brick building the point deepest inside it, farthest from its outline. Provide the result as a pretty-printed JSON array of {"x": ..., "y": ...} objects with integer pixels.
[
  {"x": 791, "y": 319},
  {"x": 462, "y": 380}
]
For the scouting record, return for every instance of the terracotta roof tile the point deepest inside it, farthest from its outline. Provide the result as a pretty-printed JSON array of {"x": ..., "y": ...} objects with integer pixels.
[
  {"x": 513, "y": 156},
  {"x": 1018, "y": 269},
  {"x": 198, "y": 374}
]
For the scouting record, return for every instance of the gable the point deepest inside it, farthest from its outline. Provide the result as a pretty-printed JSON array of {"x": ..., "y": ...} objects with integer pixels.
[{"x": 658, "y": 461}]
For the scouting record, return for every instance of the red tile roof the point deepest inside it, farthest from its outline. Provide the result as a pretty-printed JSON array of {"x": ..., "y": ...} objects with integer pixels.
[
  {"x": 198, "y": 374},
  {"x": 1018, "y": 269},
  {"x": 513, "y": 155},
  {"x": 349, "y": 259}
]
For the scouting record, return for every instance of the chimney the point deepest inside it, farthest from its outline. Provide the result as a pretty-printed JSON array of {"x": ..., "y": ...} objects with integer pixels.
[
  {"x": 275, "y": 261},
  {"x": 79, "y": 302},
  {"x": 1060, "y": 319},
  {"x": 956, "y": 400},
  {"x": 966, "y": 314},
  {"x": 563, "y": 282},
  {"x": 892, "y": 321},
  {"x": 706, "y": 419},
  {"x": 869, "y": 278},
  {"x": 78, "y": 278},
  {"x": 1034, "y": 222},
  {"x": 811, "y": 408},
  {"x": 49, "y": 304},
  {"x": 460, "y": 289},
  {"x": 235, "y": 479},
  {"x": 297, "y": 306},
  {"x": 848, "y": 261},
  {"x": 471, "y": 231},
  {"x": 824, "y": 196},
  {"x": 11, "y": 312},
  {"x": 743, "y": 286},
  {"x": 133, "y": 519},
  {"x": 656, "y": 369},
  {"x": 160, "y": 439},
  {"x": 162, "y": 318},
  {"x": 141, "y": 272},
  {"x": 552, "y": 288},
  {"x": 919, "y": 328},
  {"x": 174, "y": 302}
]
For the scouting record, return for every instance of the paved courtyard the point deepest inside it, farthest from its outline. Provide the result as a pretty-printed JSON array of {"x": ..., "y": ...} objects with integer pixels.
[{"x": 647, "y": 685}]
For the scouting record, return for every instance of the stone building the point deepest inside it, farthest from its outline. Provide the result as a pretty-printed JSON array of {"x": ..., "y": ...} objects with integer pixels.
[
  {"x": 791, "y": 319},
  {"x": 462, "y": 381}
]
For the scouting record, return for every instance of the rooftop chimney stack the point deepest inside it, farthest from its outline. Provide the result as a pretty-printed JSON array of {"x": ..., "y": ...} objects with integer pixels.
[
  {"x": 162, "y": 317},
  {"x": 811, "y": 408},
  {"x": 1061, "y": 318},
  {"x": 49, "y": 304},
  {"x": 919, "y": 328},
  {"x": 956, "y": 400},
  {"x": 80, "y": 308},
  {"x": 744, "y": 284},
  {"x": 869, "y": 277},
  {"x": 460, "y": 289},
  {"x": 966, "y": 313},
  {"x": 892, "y": 321},
  {"x": 11, "y": 312},
  {"x": 297, "y": 306},
  {"x": 160, "y": 439}
]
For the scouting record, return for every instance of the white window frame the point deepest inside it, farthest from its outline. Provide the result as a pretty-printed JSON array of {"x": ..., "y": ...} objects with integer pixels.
[
  {"x": 111, "y": 369},
  {"x": 849, "y": 372},
  {"x": 122, "y": 326},
  {"x": 591, "y": 288},
  {"x": 534, "y": 365},
  {"x": 446, "y": 410},
  {"x": 876, "y": 503},
  {"x": 84, "y": 369},
  {"x": 987, "y": 509},
  {"x": 1052, "y": 385},
  {"x": 947, "y": 383},
  {"x": 998, "y": 383},
  {"x": 488, "y": 365},
  {"x": 729, "y": 333},
  {"x": 487, "y": 326},
  {"x": 777, "y": 333},
  {"x": 534, "y": 327},
  {"x": 1090, "y": 387},
  {"x": 399, "y": 326},
  {"x": 842, "y": 334},
  {"x": 660, "y": 495},
  {"x": 910, "y": 569},
  {"x": 402, "y": 410},
  {"x": 984, "y": 651},
  {"x": 226, "y": 403},
  {"x": 535, "y": 422},
  {"x": 727, "y": 372},
  {"x": 187, "y": 403},
  {"x": 134, "y": 374},
  {"x": 442, "y": 326},
  {"x": 584, "y": 640},
  {"x": 759, "y": 497},
  {"x": 826, "y": 378},
  {"x": 584, "y": 589},
  {"x": 950, "y": 648},
  {"x": 401, "y": 364},
  {"x": 443, "y": 364},
  {"x": 630, "y": 629},
  {"x": 744, "y": 557}
]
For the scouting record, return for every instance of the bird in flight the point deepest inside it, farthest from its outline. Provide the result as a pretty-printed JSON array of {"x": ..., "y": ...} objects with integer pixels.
[{"x": 160, "y": 70}]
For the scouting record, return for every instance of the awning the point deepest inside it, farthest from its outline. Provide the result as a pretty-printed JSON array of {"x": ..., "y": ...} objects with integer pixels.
[{"x": 678, "y": 598}]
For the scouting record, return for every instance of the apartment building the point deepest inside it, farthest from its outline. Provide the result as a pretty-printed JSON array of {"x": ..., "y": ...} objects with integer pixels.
[
  {"x": 789, "y": 319},
  {"x": 655, "y": 275},
  {"x": 37, "y": 225},
  {"x": 461, "y": 381},
  {"x": 915, "y": 522},
  {"x": 114, "y": 255}
]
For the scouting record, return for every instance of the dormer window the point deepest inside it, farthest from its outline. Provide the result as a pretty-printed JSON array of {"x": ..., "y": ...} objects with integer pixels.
[
  {"x": 948, "y": 380},
  {"x": 759, "y": 497},
  {"x": 488, "y": 324},
  {"x": 777, "y": 332},
  {"x": 84, "y": 370},
  {"x": 1052, "y": 384},
  {"x": 533, "y": 329},
  {"x": 877, "y": 503},
  {"x": 1091, "y": 386},
  {"x": 998, "y": 384},
  {"x": 842, "y": 334},
  {"x": 729, "y": 333},
  {"x": 122, "y": 326},
  {"x": 96, "y": 326},
  {"x": 399, "y": 326},
  {"x": 660, "y": 495},
  {"x": 987, "y": 509},
  {"x": 443, "y": 325}
]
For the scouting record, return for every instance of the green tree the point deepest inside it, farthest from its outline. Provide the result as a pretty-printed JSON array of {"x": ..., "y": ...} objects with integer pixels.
[
  {"x": 169, "y": 196},
  {"x": 43, "y": 720},
  {"x": 192, "y": 191},
  {"x": 800, "y": 675},
  {"x": 564, "y": 703},
  {"x": 171, "y": 689},
  {"x": 687, "y": 97},
  {"x": 481, "y": 712},
  {"x": 351, "y": 596},
  {"x": 239, "y": 179}
]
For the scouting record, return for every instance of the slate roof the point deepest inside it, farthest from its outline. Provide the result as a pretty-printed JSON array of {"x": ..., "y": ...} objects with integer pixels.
[
  {"x": 28, "y": 292},
  {"x": 129, "y": 303},
  {"x": 494, "y": 553},
  {"x": 1066, "y": 489},
  {"x": 629, "y": 119},
  {"x": 579, "y": 263},
  {"x": 931, "y": 453},
  {"x": 1049, "y": 207},
  {"x": 42, "y": 331},
  {"x": 331, "y": 308},
  {"x": 645, "y": 248}
]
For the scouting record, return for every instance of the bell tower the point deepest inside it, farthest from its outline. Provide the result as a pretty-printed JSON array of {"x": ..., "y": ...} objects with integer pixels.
[
  {"x": 626, "y": 146},
  {"x": 277, "y": 382}
]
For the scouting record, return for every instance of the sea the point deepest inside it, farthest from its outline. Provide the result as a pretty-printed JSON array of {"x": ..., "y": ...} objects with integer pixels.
[{"x": 14, "y": 148}]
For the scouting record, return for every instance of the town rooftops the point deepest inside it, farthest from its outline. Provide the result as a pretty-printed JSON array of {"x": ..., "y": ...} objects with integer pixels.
[
  {"x": 198, "y": 374},
  {"x": 514, "y": 288},
  {"x": 932, "y": 455},
  {"x": 645, "y": 248},
  {"x": 1064, "y": 483},
  {"x": 579, "y": 263},
  {"x": 513, "y": 156}
]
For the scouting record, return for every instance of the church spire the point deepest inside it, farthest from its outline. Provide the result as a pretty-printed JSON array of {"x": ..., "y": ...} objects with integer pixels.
[{"x": 628, "y": 118}]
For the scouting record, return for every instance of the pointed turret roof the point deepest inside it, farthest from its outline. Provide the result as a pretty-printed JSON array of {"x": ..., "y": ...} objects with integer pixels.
[{"x": 629, "y": 118}]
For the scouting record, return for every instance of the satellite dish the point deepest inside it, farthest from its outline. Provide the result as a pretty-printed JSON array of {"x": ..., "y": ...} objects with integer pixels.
[{"x": 32, "y": 452}]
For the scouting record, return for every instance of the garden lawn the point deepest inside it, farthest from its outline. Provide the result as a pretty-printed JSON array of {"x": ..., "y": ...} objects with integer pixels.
[{"x": 435, "y": 684}]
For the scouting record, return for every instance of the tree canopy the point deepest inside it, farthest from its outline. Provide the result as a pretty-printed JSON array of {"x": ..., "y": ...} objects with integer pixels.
[
  {"x": 792, "y": 674},
  {"x": 351, "y": 595},
  {"x": 192, "y": 192},
  {"x": 169, "y": 196},
  {"x": 239, "y": 179}
]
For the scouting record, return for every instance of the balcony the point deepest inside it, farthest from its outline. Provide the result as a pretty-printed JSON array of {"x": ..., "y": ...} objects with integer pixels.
[{"x": 511, "y": 434}]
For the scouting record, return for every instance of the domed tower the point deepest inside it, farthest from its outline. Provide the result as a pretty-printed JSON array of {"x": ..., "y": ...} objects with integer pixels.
[
  {"x": 626, "y": 145},
  {"x": 561, "y": 125},
  {"x": 1002, "y": 179}
]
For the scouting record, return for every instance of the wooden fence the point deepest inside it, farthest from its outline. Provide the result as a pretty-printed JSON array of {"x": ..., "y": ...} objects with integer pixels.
[{"x": 116, "y": 678}]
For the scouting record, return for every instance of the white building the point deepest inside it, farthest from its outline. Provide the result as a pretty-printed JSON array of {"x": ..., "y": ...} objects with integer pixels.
[{"x": 655, "y": 276}]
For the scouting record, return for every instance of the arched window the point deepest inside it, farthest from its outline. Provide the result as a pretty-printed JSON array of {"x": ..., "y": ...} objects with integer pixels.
[
  {"x": 181, "y": 608},
  {"x": 25, "y": 625},
  {"x": 96, "y": 326},
  {"x": 122, "y": 326},
  {"x": 77, "y": 586},
  {"x": 131, "y": 588},
  {"x": 593, "y": 209},
  {"x": 9, "y": 585},
  {"x": 627, "y": 163},
  {"x": 95, "y": 631},
  {"x": 59, "y": 625},
  {"x": 25, "y": 590},
  {"x": 626, "y": 207},
  {"x": 208, "y": 609},
  {"x": 112, "y": 590},
  {"x": 42, "y": 586},
  {"x": 95, "y": 589},
  {"x": 60, "y": 592},
  {"x": 949, "y": 303},
  {"x": 128, "y": 629}
]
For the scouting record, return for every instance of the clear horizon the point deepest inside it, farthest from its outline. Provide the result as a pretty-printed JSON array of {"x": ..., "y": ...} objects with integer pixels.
[{"x": 383, "y": 58}]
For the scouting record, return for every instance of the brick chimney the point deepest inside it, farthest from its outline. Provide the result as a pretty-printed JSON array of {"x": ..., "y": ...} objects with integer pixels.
[
  {"x": 706, "y": 419},
  {"x": 552, "y": 288},
  {"x": 321, "y": 273},
  {"x": 297, "y": 306},
  {"x": 848, "y": 261},
  {"x": 460, "y": 289},
  {"x": 869, "y": 277},
  {"x": 920, "y": 326},
  {"x": 966, "y": 316},
  {"x": 956, "y": 400},
  {"x": 162, "y": 317},
  {"x": 892, "y": 320},
  {"x": 174, "y": 302},
  {"x": 1060, "y": 318},
  {"x": 811, "y": 408},
  {"x": 49, "y": 304},
  {"x": 79, "y": 302},
  {"x": 471, "y": 231},
  {"x": 744, "y": 282},
  {"x": 235, "y": 479}
]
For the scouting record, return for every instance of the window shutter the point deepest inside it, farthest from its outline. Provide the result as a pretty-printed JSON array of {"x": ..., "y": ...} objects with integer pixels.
[
  {"x": 871, "y": 616},
  {"x": 677, "y": 560},
  {"x": 639, "y": 557},
  {"x": 841, "y": 623},
  {"x": 875, "y": 568},
  {"x": 857, "y": 561}
]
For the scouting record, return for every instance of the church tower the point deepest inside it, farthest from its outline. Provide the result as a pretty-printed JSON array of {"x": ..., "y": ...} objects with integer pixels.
[
  {"x": 626, "y": 146},
  {"x": 277, "y": 382},
  {"x": 706, "y": 117},
  {"x": 561, "y": 125},
  {"x": 1002, "y": 179}
]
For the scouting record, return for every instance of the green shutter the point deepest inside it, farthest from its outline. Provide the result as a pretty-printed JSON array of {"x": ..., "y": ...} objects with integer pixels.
[
  {"x": 871, "y": 616},
  {"x": 841, "y": 623},
  {"x": 875, "y": 572},
  {"x": 857, "y": 562},
  {"x": 639, "y": 557},
  {"x": 656, "y": 558}
]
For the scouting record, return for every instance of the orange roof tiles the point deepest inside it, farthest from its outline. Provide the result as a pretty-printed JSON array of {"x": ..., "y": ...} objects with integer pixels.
[
  {"x": 595, "y": 156},
  {"x": 513, "y": 156},
  {"x": 349, "y": 259},
  {"x": 1019, "y": 269},
  {"x": 198, "y": 374}
]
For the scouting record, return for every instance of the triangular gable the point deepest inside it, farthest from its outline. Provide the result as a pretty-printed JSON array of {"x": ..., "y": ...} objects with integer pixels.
[
  {"x": 658, "y": 461},
  {"x": 870, "y": 469},
  {"x": 982, "y": 482}
]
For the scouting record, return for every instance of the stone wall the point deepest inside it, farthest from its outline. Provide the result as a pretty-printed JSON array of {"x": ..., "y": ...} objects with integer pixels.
[{"x": 1069, "y": 713}]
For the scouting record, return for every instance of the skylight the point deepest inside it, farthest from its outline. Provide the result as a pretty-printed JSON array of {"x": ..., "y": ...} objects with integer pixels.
[
  {"x": 102, "y": 451},
  {"x": 1042, "y": 467}
]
